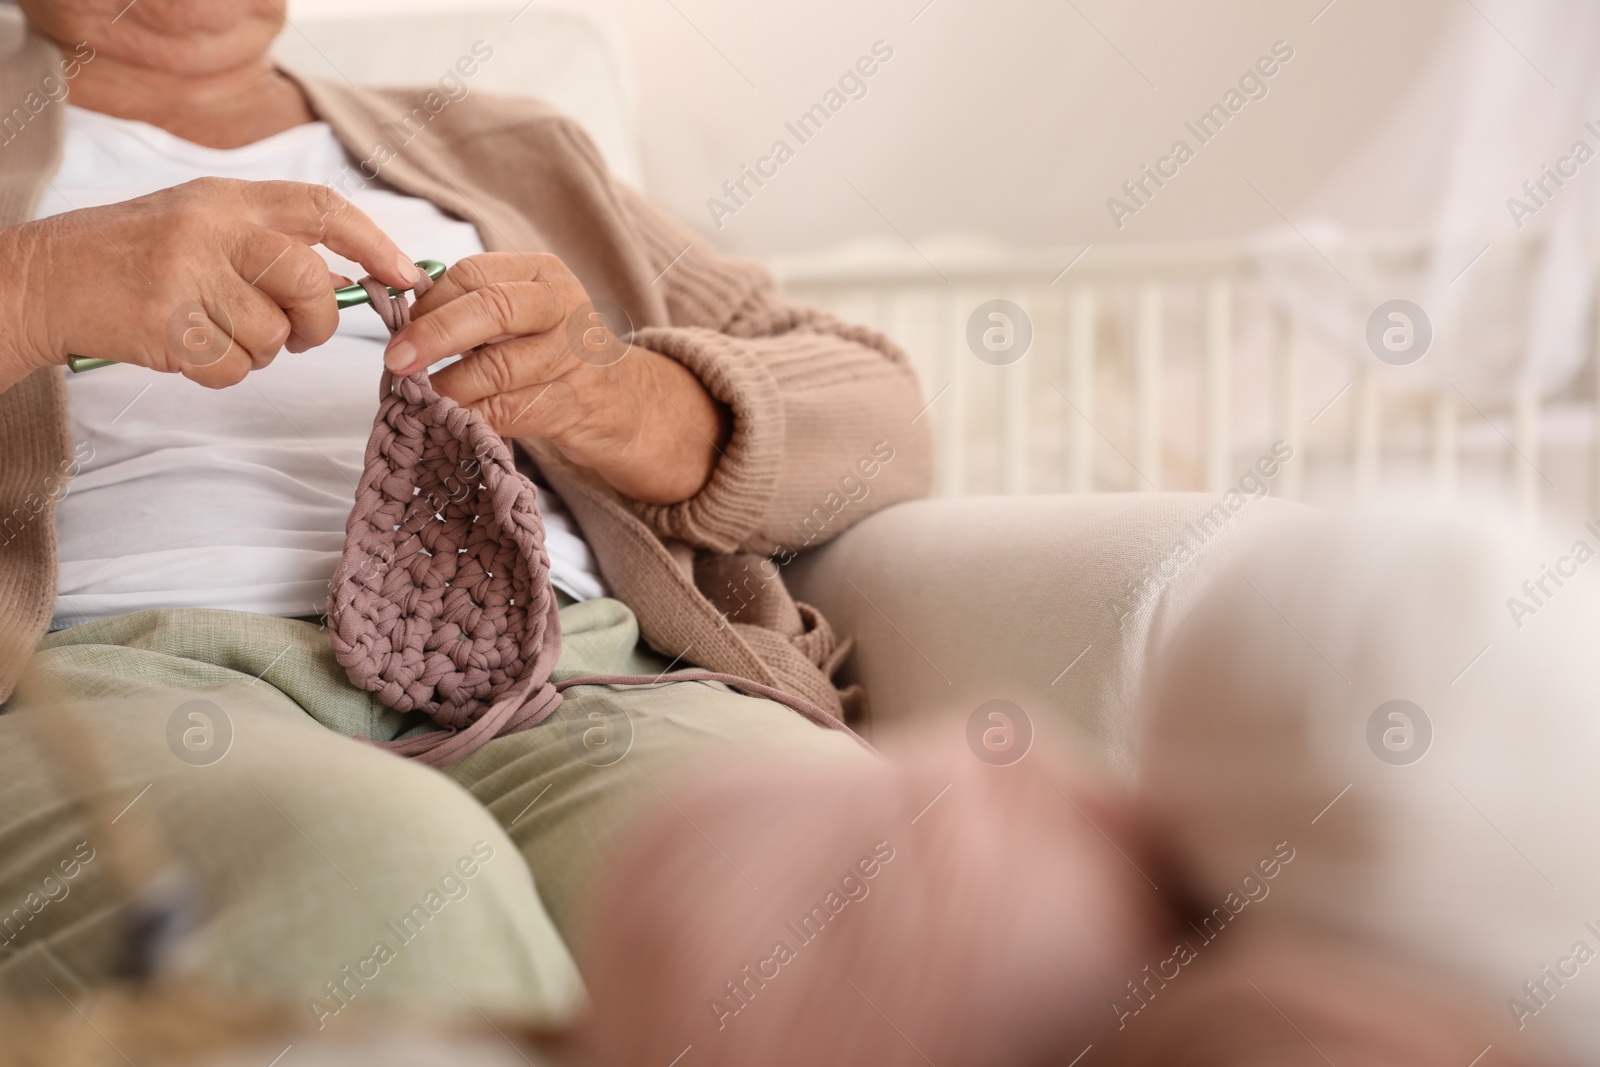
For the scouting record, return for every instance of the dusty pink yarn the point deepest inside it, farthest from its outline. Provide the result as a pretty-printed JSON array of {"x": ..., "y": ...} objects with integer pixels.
[
  {"x": 442, "y": 600},
  {"x": 999, "y": 926}
]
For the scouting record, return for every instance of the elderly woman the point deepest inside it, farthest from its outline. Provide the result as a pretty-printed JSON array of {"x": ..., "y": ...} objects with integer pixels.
[{"x": 167, "y": 546}]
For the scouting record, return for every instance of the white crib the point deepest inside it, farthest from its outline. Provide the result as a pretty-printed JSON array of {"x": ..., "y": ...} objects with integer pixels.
[{"x": 1174, "y": 367}]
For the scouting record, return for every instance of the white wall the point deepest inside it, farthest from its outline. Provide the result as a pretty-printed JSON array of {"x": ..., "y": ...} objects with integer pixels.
[{"x": 1013, "y": 120}]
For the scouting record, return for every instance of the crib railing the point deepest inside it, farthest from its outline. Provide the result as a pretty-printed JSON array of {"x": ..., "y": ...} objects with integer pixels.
[{"x": 1167, "y": 367}]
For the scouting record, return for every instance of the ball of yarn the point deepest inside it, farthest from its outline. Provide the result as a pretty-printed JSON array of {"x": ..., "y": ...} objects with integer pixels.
[{"x": 939, "y": 910}]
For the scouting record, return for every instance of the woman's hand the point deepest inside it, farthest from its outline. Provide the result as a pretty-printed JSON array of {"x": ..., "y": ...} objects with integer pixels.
[
  {"x": 208, "y": 279},
  {"x": 539, "y": 362}
]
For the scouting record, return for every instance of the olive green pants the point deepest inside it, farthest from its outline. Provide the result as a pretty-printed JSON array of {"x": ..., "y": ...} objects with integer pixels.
[{"x": 323, "y": 869}]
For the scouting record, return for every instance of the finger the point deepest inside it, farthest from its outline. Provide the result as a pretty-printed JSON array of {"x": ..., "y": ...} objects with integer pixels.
[
  {"x": 486, "y": 268},
  {"x": 260, "y": 327},
  {"x": 498, "y": 311},
  {"x": 502, "y": 368},
  {"x": 317, "y": 214},
  {"x": 294, "y": 277},
  {"x": 233, "y": 329},
  {"x": 212, "y": 358},
  {"x": 296, "y": 343}
]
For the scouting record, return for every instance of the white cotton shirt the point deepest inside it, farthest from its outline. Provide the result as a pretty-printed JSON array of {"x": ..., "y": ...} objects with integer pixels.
[{"x": 235, "y": 498}]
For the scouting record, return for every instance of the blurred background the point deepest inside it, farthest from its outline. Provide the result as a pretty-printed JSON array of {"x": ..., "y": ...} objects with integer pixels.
[{"x": 1169, "y": 312}]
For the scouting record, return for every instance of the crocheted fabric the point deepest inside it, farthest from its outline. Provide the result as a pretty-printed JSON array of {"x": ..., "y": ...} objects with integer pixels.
[{"x": 442, "y": 600}]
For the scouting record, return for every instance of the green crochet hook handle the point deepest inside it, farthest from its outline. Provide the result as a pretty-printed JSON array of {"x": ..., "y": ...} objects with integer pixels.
[{"x": 349, "y": 296}]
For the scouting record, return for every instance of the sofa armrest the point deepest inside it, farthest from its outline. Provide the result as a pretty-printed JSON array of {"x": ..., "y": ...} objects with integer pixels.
[{"x": 1051, "y": 602}]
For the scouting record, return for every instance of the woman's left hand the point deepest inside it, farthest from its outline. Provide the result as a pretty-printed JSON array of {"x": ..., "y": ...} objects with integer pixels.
[{"x": 539, "y": 362}]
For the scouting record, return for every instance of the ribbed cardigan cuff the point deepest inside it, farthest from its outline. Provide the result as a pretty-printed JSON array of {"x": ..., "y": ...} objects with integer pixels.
[{"x": 739, "y": 494}]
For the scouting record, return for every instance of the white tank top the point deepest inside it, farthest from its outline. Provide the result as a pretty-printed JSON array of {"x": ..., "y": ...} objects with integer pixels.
[{"x": 235, "y": 498}]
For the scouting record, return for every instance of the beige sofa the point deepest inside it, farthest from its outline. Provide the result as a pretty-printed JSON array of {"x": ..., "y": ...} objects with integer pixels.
[{"x": 1054, "y": 603}]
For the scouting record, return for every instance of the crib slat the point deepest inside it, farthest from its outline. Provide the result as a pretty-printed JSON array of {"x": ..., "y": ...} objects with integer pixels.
[
  {"x": 1041, "y": 443},
  {"x": 1446, "y": 446},
  {"x": 1014, "y": 420},
  {"x": 1148, "y": 345},
  {"x": 1218, "y": 383},
  {"x": 1368, "y": 433},
  {"x": 883, "y": 307},
  {"x": 1594, "y": 424},
  {"x": 1291, "y": 418},
  {"x": 910, "y": 326},
  {"x": 1525, "y": 432},
  {"x": 1080, "y": 390},
  {"x": 950, "y": 411},
  {"x": 1055, "y": 424}
]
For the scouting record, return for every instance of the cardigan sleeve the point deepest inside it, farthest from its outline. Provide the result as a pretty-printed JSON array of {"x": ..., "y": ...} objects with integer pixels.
[{"x": 825, "y": 414}]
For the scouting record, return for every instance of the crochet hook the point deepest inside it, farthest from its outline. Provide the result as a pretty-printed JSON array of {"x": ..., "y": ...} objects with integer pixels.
[{"x": 349, "y": 296}]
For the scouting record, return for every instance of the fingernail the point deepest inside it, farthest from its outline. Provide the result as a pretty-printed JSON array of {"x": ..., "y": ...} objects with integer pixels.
[
  {"x": 400, "y": 355},
  {"x": 408, "y": 270}
]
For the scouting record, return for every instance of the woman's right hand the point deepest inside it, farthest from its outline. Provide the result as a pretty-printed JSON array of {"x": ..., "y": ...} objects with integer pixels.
[{"x": 208, "y": 279}]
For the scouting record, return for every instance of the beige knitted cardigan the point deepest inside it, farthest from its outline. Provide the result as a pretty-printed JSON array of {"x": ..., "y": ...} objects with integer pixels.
[{"x": 813, "y": 400}]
